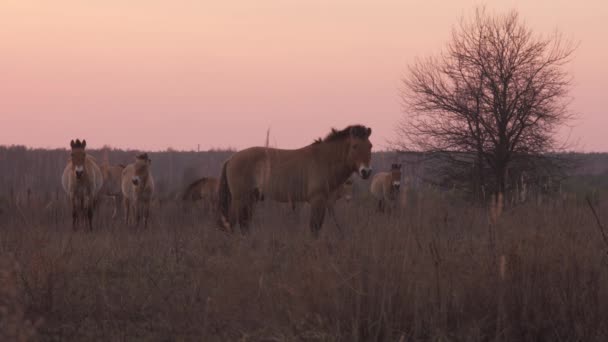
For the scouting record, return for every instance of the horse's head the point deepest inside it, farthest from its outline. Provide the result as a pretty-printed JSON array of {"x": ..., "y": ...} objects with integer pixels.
[
  {"x": 142, "y": 167},
  {"x": 78, "y": 157},
  {"x": 395, "y": 177},
  {"x": 360, "y": 150}
]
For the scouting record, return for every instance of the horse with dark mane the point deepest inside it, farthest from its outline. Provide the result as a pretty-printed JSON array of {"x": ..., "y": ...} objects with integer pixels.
[
  {"x": 82, "y": 181},
  {"x": 308, "y": 174}
]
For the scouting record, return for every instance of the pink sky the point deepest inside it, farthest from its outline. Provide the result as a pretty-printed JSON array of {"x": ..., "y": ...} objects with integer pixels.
[{"x": 153, "y": 74}]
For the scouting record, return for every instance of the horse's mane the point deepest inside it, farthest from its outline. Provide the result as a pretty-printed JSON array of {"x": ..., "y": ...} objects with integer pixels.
[
  {"x": 358, "y": 131},
  {"x": 143, "y": 156}
]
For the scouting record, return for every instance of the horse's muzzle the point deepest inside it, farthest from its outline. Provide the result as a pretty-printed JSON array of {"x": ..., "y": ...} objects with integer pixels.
[
  {"x": 135, "y": 181},
  {"x": 396, "y": 189},
  {"x": 79, "y": 174},
  {"x": 365, "y": 172}
]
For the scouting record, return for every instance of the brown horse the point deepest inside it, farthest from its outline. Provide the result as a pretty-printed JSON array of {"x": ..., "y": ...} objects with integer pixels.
[
  {"x": 385, "y": 186},
  {"x": 204, "y": 190},
  {"x": 138, "y": 188},
  {"x": 82, "y": 181},
  {"x": 309, "y": 174},
  {"x": 112, "y": 175}
]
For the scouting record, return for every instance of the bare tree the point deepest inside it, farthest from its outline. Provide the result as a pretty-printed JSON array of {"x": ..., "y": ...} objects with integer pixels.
[{"x": 494, "y": 99}]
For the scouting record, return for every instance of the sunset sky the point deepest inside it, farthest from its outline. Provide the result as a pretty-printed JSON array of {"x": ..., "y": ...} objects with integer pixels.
[{"x": 151, "y": 74}]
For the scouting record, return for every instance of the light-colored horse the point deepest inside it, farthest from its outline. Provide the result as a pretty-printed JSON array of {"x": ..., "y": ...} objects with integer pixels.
[
  {"x": 385, "y": 187},
  {"x": 309, "y": 174},
  {"x": 344, "y": 191},
  {"x": 82, "y": 180},
  {"x": 205, "y": 190},
  {"x": 112, "y": 175},
  {"x": 137, "y": 189}
]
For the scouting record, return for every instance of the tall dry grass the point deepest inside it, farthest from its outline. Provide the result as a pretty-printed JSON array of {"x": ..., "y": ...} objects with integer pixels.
[{"x": 436, "y": 270}]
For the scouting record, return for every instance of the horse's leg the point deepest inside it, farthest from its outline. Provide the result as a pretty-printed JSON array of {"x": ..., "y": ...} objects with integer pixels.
[
  {"x": 74, "y": 214},
  {"x": 332, "y": 213},
  {"x": 146, "y": 214},
  {"x": 330, "y": 209},
  {"x": 138, "y": 210},
  {"x": 233, "y": 213},
  {"x": 245, "y": 214},
  {"x": 115, "y": 211},
  {"x": 90, "y": 217},
  {"x": 318, "y": 208},
  {"x": 127, "y": 207},
  {"x": 381, "y": 206}
]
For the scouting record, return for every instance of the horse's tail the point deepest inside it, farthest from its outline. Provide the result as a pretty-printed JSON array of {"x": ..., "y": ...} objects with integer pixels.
[{"x": 224, "y": 199}]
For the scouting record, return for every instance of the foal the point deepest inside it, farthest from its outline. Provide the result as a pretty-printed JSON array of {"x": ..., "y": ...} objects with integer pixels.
[
  {"x": 385, "y": 187},
  {"x": 137, "y": 189}
]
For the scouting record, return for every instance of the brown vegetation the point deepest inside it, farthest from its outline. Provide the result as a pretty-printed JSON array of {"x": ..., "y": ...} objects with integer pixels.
[{"x": 435, "y": 270}]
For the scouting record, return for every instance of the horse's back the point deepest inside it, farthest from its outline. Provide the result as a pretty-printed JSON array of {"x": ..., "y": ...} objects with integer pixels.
[
  {"x": 66, "y": 180},
  {"x": 193, "y": 191},
  {"x": 245, "y": 170},
  {"x": 378, "y": 185},
  {"x": 282, "y": 175},
  {"x": 96, "y": 175},
  {"x": 201, "y": 188},
  {"x": 112, "y": 178}
]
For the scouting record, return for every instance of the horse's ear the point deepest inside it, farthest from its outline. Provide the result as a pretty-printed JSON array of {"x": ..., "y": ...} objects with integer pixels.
[
  {"x": 84, "y": 143},
  {"x": 369, "y": 132},
  {"x": 72, "y": 143}
]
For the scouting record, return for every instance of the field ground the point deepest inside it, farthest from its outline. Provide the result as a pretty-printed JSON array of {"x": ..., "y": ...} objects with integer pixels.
[{"x": 432, "y": 271}]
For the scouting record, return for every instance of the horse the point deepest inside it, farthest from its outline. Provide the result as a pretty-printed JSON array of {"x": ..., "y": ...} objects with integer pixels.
[
  {"x": 205, "y": 190},
  {"x": 112, "y": 175},
  {"x": 137, "y": 186},
  {"x": 308, "y": 174},
  {"x": 385, "y": 186},
  {"x": 344, "y": 191},
  {"x": 82, "y": 180}
]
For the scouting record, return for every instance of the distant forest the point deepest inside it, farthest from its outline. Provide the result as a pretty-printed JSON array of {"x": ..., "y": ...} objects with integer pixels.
[{"x": 39, "y": 170}]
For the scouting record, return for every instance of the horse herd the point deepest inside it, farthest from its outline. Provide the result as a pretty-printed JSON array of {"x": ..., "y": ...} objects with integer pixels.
[{"x": 319, "y": 174}]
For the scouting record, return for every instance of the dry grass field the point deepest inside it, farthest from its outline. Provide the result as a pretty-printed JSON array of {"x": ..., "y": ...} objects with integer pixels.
[{"x": 435, "y": 270}]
